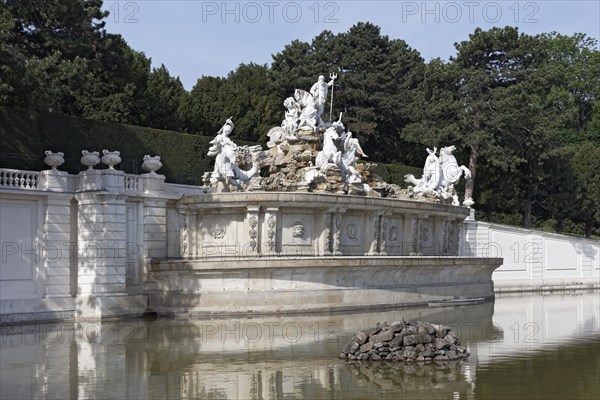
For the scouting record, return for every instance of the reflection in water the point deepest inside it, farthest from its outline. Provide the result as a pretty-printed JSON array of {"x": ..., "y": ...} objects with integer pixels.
[
  {"x": 569, "y": 371},
  {"x": 529, "y": 346}
]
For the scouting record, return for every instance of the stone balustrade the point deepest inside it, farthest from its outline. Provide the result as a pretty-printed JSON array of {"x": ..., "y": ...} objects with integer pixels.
[
  {"x": 18, "y": 179},
  {"x": 77, "y": 245}
]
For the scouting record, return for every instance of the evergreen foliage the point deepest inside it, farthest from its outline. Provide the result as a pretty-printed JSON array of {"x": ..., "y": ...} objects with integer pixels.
[{"x": 523, "y": 110}]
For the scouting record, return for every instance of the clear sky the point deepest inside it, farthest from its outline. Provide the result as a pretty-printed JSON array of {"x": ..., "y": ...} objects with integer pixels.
[{"x": 195, "y": 38}]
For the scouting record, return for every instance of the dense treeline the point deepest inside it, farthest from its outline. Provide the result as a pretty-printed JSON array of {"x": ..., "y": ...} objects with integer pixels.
[{"x": 523, "y": 111}]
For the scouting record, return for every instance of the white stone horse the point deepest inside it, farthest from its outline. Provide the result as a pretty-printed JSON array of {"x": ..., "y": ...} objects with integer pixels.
[
  {"x": 349, "y": 158},
  {"x": 451, "y": 171},
  {"x": 330, "y": 154}
]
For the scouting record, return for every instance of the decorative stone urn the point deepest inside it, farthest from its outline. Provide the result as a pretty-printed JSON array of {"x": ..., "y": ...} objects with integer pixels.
[
  {"x": 468, "y": 202},
  {"x": 54, "y": 159},
  {"x": 111, "y": 158},
  {"x": 90, "y": 159},
  {"x": 151, "y": 164}
]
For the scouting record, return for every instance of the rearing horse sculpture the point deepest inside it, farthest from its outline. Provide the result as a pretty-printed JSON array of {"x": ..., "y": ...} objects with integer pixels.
[
  {"x": 330, "y": 153},
  {"x": 451, "y": 171}
]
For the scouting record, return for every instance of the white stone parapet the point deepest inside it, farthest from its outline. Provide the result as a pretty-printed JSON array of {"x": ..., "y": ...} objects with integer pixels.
[
  {"x": 534, "y": 260},
  {"x": 81, "y": 245},
  {"x": 19, "y": 179},
  {"x": 227, "y": 225},
  {"x": 77, "y": 245}
]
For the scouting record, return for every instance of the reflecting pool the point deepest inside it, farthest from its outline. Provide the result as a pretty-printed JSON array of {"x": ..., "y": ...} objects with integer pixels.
[{"x": 530, "y": 346}]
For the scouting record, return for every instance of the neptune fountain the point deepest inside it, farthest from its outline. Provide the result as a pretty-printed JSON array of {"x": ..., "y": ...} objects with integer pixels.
[{"x": 302, "y": 226}]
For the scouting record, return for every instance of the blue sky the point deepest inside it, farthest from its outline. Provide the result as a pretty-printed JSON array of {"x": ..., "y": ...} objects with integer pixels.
[{"x": 195, "y": 38}]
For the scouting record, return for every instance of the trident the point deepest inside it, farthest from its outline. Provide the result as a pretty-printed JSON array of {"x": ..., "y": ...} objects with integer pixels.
[{"x": 333, "y": 77}]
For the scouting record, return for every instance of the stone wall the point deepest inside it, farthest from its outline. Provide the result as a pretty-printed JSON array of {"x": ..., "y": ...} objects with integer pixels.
[
  {"x": 251, "y": 224},
  {"x": 534, "y": 260},
  {"x": 77, "y": 245},
  {"x": 80, "y": 245}
]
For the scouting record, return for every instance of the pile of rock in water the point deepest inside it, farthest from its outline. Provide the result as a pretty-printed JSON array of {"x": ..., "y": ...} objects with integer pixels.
[{"x": 405, "y": 341}]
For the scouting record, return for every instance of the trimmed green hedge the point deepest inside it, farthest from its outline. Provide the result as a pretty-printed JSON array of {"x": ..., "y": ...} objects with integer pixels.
[
  {"x": 24, "y": 138},
  {"x": 394, "y": 173}
]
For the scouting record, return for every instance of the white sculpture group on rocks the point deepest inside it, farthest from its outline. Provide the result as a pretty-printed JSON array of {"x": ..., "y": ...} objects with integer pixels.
[
  {"x": 345, "y": 160},
  {"x": 304, "y": 112},
  {"x": 302, "y": 120},
  {"x": 226, "y": 169},
  {"x": 292, "y": 149},
  {"x": 440, "y": 175}
]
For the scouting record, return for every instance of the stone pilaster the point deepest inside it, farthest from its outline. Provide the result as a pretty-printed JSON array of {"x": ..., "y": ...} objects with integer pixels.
[
  {"x": 372, "y": 232},
  {"x": 251, "y": 248},
  {"x": 155, "y": 228},
  {"x": 268, "y": 243},
  {"x": 194, "y": 248},
  {"x": 336, "y": 234},
  {"x": 383, "y": 231},
  {"x": 410, "y": 242},
  {"x": 184, "y": 233},
  {"x": 57, "y": 247},
  {"x": 325, "y": 242},
  {"x": 102, "y": 243}
]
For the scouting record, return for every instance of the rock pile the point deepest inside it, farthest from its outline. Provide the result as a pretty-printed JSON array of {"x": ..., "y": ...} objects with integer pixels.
[{"x": 405, "y": 341}]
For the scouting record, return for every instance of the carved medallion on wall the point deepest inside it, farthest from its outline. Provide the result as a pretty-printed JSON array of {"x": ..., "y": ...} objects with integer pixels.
[
  {"x": 351, "y": 231},
  {"x": 298, "y": 230},
  {"x": 394, "y": 234},
  {"x": 218, "y": 231}
]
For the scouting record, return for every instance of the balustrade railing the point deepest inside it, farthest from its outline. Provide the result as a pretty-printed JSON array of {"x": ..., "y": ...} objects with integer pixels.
[
  {"x": 18, "y": 179},
  {"x": 132, "y": 183}
]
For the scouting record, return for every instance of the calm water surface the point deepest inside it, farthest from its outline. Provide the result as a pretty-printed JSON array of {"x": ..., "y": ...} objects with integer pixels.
[{"x": 523, "y": 347}]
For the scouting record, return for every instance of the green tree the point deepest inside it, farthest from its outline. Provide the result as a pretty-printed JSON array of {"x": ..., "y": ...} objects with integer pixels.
[
  {"x": 118, "y": 89},
  {"x": 377, "y": 78},
  {"x": 50, "y": 43},
  {"x": 165, "y": 95},
  {"x": 60, "y": 58},
  {"x": 202, "y": 110},
  {"x": 246, "y": 95},
  {"x": 483, "y": 102},
  {"x": 586, "y": 204}
]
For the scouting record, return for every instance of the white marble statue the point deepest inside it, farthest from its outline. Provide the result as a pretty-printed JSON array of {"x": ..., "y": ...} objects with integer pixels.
[
  {"x": 451, "y": 171},
  {"x": 440, "y": 175},
  {"x": 330, "y": 154},
  {"x": 432, "y": 175},
  {"x": 226, "y": 170},
  {"x": 349, "y": 158},
  {"x": 310, "y": 113},
  {"x": 292, "y": 116},
  {"x": 319, "y": 93},
  {"x": 289, "y": 125}
]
